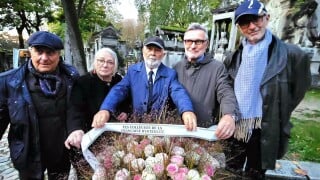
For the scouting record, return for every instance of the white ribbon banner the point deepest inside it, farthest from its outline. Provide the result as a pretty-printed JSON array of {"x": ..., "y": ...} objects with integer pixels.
[{"x": 142, "y": 129}]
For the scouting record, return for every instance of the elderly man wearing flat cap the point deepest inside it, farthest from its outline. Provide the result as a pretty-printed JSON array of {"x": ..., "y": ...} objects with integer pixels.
[
  {"x": 34, "y": 101},
  {"x": 270, "y": 78},
  {"x": 150, "y": 84}
]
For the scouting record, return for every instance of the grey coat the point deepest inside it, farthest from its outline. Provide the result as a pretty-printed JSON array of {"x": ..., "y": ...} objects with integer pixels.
[{"x": 209, "y": 88}]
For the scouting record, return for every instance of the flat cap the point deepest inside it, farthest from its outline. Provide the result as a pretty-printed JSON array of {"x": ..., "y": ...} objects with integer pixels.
[
  {"x": 45, "y": 38},
  {"x": 250, "y": 7},
  {"x": 155, "y": 40}
]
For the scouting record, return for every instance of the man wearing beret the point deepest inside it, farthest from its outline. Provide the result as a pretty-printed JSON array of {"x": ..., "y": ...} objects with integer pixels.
[
  {"x": 270, "y": 78},
  {"x": 34, "y": 101},
  {"x": 150, "y": 84}
]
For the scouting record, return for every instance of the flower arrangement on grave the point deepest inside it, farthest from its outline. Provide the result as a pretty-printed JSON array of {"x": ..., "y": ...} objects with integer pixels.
[{"x": 125, "y": 156}]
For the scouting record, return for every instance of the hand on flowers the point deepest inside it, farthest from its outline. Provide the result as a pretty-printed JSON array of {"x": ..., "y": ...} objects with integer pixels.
[
  {"x": 74, "y": 139},
  {"x": 225, "y": 127},
  {"x": 100, "y": 118},
  {"x": 189, "y": 120},
  {"x": 122, "y": 116}
]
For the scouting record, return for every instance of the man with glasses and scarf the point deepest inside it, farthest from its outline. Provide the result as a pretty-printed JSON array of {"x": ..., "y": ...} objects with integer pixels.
[
  {"x": 34, "y": 101},
  {"x": 270, "y": 78}
]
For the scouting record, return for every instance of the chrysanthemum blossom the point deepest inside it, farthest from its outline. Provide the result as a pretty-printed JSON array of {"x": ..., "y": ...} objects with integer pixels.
[
  {"x": 177, "y": 159},
  {"x": 137, "y": 177},
  {"x": 99, "y": 174},
  {"x": 149, "y": 150},
  {"x": 122, "y": 174},
  {"x": 177, "y": 150},
  {"x": 209, "y": 170},
  {"x": 205, "y": 177},
  {"x": 138, "y": 164},
  {"x": 180, "y": 176},
  {"x": 158, "y": 169},
  {"x": 193, "y": 174},
  {"x": 161, "y": 158},
  {"x": 172, "y": 169},
  {"x": 128, "y": 158},
  {"x": 183, "y": 170},
  {"x": 148, "y": 176}
]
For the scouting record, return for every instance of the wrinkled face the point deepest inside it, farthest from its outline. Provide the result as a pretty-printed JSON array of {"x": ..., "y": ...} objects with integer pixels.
[
  {"x": 104, "y": 64},
  {"x": 253, "y": 27},
  {"x": 152, "y": 56},
  {"x": 195, "y": 44},
  {"x": 44, "y": 59}
]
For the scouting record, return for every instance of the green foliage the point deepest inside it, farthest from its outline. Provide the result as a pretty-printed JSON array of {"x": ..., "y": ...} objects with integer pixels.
[
  {"x": 304, "y": 144},
  {"x": 176, "y": 13}
]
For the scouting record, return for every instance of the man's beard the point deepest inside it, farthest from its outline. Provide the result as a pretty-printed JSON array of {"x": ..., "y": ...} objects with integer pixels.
[{"x": 152, "y": 63}]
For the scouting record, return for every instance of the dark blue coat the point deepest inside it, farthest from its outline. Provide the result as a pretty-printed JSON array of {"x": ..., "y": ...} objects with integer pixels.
[
  {"x": 17, "y": 109},
  {"x": 135, "y": 83}
]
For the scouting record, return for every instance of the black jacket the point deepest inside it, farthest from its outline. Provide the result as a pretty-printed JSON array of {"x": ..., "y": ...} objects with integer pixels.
[
  {"x": 286, "y": 79},
  {"x": 87, "y": 96}
]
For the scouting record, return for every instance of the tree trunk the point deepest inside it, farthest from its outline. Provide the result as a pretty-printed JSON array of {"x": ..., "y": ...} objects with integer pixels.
[{"x": 73, "y": 44}]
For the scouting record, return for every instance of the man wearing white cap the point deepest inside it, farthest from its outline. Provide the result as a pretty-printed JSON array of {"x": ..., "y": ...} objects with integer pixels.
[{"x": 270, "y": 79}]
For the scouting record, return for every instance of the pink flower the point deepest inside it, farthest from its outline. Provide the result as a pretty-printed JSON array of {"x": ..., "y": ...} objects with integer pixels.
[
  {"x": 107, "y": 161},
  {"x": 172, "y": 169},
  {"x": 158, "y": 169},
  {"x": 122, "y": 174},
  {"x": 145, "y": 142},
  {"x": 137, "y": 177},
  {"x": 180, "y": 176},
  {"x": 177, "y": 159},
  {"x": 205, "y": 177},
  {"x": 209, "y": 170},
  {"x": 183, "y": 170}
]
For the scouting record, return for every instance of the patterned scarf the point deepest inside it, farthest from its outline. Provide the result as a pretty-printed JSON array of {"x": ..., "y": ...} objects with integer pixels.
[
  {"x": 247, "y": 86},
  {"x": 50, "y": 84}
]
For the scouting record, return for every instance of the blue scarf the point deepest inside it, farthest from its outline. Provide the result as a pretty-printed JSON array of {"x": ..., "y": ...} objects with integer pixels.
[
  {"x": 50, "y": 84},
  {"x": 247, "y": 86}
]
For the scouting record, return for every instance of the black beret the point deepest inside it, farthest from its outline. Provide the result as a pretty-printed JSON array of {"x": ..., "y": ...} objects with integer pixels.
[{"x": 47, "y": 39}]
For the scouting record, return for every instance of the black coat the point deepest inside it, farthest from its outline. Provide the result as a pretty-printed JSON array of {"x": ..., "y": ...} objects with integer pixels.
[
  {"x": 88, "y": 94},
  {"x": 286, "y": 79}
]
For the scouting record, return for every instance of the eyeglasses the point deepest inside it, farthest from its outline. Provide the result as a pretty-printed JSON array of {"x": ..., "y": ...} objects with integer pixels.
[
  {"x": 189, "y": 42},
  {"x": 245, "y": 21},
  {"x": 102, "y": 62}
]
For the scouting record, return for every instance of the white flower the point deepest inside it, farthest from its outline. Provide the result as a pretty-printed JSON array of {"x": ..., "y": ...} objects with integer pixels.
[
  {"x": 146, "y": 175},
  {"x": 149, "y": 150},
  {"x": 128, "y": 158},
  {"x": 137, "y": 164},
  {"x": 122, "y": 174},
  {"x": 119, "y": 154},
  {"x": 206, "y": 157},
  {"x": 177, "y": 150},
  {"x": 193, "y": 175},
  {"x": 131, "y": 145},
  {"x": 161, "y": 158},
  {"x": 99, "y": 173},
  {"x": 150, "y": 162},
  {"x": 192, "y": 157}
]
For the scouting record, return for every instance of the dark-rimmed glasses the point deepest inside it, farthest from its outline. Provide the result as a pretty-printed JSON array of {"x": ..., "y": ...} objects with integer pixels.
[
  {"x": 245, "y": 21},
  {"x": 189, "y": 42}
]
